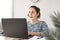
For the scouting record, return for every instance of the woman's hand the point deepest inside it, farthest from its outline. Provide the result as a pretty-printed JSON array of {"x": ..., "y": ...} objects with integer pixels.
[
  {"x": 34, "y": 33},
  {"x": 29, "y": 33}
]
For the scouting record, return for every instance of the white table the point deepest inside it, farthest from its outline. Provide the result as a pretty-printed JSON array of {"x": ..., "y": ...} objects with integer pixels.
[
  {"x": 8, "y": 38},
  {"x": 1, "y": 38},
  {"x": 36, "y": 38}
]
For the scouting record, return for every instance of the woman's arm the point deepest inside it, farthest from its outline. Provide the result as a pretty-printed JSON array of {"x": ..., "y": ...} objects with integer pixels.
[
  {"x": 45, "y": 29},
  {"x": 34, "y": 33}
]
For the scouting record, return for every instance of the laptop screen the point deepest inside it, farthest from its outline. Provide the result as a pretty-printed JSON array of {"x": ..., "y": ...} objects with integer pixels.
[{"x": 15, "y": 27}]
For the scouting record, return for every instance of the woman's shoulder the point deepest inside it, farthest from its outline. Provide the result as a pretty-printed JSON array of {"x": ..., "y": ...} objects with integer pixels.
[{"x": 44, "y": 23}]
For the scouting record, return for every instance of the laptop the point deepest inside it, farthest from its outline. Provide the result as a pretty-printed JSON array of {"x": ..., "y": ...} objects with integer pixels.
[{"x": 15, "y": 27}]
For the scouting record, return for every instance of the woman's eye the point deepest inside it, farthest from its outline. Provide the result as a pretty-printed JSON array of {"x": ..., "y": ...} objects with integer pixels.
[{"x": 32, "y": 12}]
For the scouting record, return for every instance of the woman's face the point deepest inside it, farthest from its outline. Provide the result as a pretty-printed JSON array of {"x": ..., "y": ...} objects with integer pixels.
[{"x": 33, "y": 13}]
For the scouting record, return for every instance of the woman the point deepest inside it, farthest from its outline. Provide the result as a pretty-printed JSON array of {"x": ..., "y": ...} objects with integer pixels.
[{"x": 35, "y": 26}]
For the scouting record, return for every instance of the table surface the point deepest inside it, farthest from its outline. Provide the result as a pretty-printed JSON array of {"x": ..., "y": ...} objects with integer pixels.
[{"x": 8, "y": 38}]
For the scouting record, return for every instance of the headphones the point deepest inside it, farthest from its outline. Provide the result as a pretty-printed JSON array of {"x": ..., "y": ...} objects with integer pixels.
[{"x": 29, "y": 16}]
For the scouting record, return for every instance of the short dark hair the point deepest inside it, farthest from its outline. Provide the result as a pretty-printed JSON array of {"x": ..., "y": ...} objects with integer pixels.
[{"x": 37, "y": 10}]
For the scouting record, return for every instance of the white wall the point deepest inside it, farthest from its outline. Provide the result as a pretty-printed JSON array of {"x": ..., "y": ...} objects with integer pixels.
[
  {"x": 5, "y": 10},
  {"x": 21, "y": 8}
]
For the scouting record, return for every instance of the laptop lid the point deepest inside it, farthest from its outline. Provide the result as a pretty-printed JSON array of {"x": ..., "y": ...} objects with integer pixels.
[{"x": 15, "y": 27}]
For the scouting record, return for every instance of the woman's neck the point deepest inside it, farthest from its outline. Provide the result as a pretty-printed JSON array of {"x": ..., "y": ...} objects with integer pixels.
[{"x": 33, "y": 21}]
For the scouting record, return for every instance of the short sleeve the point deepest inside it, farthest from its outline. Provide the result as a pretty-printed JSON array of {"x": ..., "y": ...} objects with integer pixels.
[{"x": 44, "y": 29}]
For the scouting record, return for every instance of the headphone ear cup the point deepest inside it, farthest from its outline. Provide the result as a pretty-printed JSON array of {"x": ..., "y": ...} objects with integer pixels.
[{"x": 28, "y": 15}]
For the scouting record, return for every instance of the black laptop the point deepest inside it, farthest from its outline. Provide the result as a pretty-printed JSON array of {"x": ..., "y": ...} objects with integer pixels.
[{"x": 15, "y": 27}]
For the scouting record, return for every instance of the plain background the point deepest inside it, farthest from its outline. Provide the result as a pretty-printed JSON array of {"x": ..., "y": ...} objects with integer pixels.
[{"x": 20, "y": 9}]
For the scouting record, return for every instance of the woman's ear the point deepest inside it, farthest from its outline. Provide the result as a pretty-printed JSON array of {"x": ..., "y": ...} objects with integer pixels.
[{"x": 37, "y": 14}]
